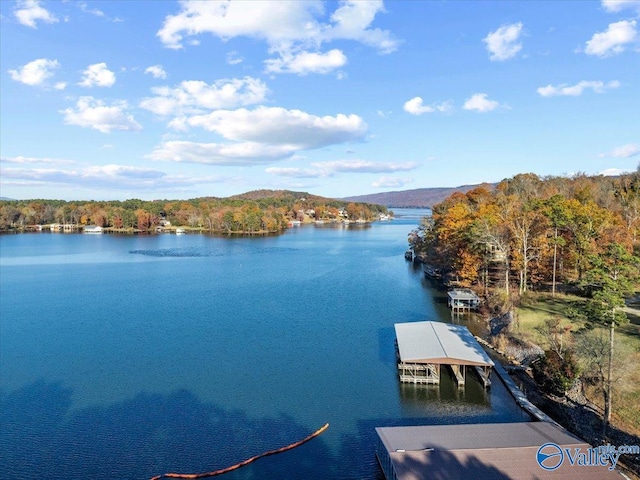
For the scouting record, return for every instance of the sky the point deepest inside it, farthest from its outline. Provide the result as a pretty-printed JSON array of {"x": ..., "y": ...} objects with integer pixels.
[{"x": 111, "y": 100}]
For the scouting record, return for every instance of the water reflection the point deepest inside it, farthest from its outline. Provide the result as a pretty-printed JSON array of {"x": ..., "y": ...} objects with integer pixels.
[{"x": 419, "y": 400}]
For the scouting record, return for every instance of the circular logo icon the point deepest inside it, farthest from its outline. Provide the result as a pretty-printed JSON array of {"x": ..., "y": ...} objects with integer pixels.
[{"x": 550, "y": 456}]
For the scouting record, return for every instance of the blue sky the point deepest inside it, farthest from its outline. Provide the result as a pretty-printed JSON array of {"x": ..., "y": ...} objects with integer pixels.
[{"x": 163, "y": 99}]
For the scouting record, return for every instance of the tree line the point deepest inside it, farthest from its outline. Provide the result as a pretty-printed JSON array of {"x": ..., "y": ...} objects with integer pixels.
[
  {"x": 529, "y": 232},
  {"x": 254, "y": 212}
]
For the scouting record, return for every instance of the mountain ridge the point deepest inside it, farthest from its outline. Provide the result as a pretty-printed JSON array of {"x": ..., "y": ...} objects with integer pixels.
[{"x": 416, "y": 198}]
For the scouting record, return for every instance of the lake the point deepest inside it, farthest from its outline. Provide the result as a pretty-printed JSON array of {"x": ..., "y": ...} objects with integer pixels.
[{"x": 124, "y": 357}]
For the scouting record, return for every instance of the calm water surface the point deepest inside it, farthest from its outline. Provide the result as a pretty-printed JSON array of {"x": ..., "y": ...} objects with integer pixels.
[{"x": 123, "y": 357}]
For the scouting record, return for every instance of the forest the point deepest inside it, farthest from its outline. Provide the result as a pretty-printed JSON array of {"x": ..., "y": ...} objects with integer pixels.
[
  {"x": 529, "y": 232},
  {"x": 263, "y": 211}
]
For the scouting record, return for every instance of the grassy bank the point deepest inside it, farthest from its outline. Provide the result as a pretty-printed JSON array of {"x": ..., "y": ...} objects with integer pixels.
[{"x": 536, "y": 307}]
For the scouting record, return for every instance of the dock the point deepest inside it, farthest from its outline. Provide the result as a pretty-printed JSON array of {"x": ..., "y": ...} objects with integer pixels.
[
  {"x": 462, "y": 299},
  {"x": 423, "y": 347}
]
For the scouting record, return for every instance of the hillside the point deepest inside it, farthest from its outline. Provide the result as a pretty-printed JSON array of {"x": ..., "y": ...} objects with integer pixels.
[
  {"x": 290, "y": 195},
  {"x": 420, "y": 197}
]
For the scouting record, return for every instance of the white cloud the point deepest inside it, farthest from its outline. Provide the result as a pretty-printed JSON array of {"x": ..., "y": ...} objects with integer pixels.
[
  {"x": 234, "y": 58},
  {"x": 35, "y": 73},
  {"x": 260, "y": 136},
  {"x": 92, "y": 113},
  {"x": 294, "y": 172},
  {"x": 577, "y": 89},
  {"x": 93, "y": 11},
  {"x": 615, "y": 6},
  {"x": 352, "y": 21},
  {"x": 156, "y": 71},
  {"x": 612, "y": 172},
  {"x": 330, "y": 169},
  {"x": 60, "y": 85},
  {"x": 98, "y": 75},
  {"x": 108, "y": 177},
  {"x": 290, "y": 29},
  {"x": 21, "y": 160},
  {"x": 27, "y": 12},
  {"x": 503, "y": 43},
  {"x": 625, "y": 151},
  {"x": 480, "y": 103},
  {"x": 278, "y": 126},
  {"x": 194, "y": 96},
  {"x": 246, "y": 153},
  {"x": 415, "y": 107},
  {"x": 391, "y": 182},
  {"x": 303, "y": 63},
  {"x": 613, "y": 40},
  {"x": 364, "y": 166}
]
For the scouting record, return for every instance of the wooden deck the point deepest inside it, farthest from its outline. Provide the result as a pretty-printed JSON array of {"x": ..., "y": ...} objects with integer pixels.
[{"x": 419, "y": 373}]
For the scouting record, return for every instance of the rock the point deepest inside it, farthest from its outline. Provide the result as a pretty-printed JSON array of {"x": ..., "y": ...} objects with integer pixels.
[{"x": 500, "y": 323}]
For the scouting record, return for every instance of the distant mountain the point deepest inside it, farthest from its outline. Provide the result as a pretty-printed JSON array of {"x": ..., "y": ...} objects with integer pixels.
[
  {"x": 256, "y": 195},
  {"x": 420, "y": 197}
]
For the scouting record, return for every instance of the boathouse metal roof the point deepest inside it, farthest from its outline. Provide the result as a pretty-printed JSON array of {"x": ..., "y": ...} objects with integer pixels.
[
  {"x": 496, "y": 451},
  {"x": 439, "y": 343},
  {"x": 463, "y": 294}
]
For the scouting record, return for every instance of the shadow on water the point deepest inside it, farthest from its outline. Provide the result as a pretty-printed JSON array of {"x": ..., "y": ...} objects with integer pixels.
[{"x": 41, "y": 437}]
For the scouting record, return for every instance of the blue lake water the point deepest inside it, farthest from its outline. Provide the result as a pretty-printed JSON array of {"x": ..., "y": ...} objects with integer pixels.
[{"x": 124, "y": 357}]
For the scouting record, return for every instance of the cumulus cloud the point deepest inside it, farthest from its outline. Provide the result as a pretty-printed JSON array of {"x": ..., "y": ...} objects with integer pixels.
[
  {"x": 615, "y": 6},
  {"x": 245, "y": 153},
  {"x": 480, "y": 103},
  {"x": 194, "y": 96},
  {"x": 303, "y": 63},
  {"x": 35, "y": 73},
  {"x": 291, "y": 29},
  {"x": 156, "y": 71},
  {"x": 28, "y": 12},
  {"x": 577, "y": 89},
  {"x": 279, "y": 126},
  {"x": 503, "y": 43},
  {"x": 92, "y": 113},
  {"x": 97, "y": 75},
  {"x": 391, "y": 182},
  {"x": 352, "y": 21},
  {"x": 415, "y": 106},
  {"x": 612, "y": 41},
  {"x": 625, "y": 151}
]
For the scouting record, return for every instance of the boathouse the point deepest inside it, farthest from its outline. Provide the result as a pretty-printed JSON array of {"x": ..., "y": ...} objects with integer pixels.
[
  {"x": 462, "y": 299},
  {"x": 423, "y": 347},
  {"x": 493, "y": 450},
  {"x": 92, "y": 229}
]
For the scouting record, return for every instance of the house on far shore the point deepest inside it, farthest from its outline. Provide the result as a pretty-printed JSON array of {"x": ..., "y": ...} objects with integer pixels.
[{"x": 92, "y": 229}]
